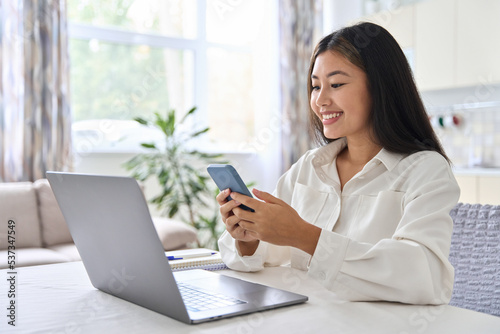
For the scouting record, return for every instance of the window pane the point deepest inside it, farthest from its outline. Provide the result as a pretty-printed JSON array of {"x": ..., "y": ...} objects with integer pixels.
[
  {"x": 115, "y": 81},
  {"x": 230, "y": 96},
  {"x": 175, "y": 18},
  {"x": 235, "y": 22}
]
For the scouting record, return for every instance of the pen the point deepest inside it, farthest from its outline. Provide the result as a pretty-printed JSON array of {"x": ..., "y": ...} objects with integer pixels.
[{"x": 190, "y": 256}]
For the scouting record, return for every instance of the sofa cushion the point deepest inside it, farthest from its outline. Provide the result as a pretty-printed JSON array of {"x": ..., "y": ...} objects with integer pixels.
[
  {"x": 33, "y": 257},
  {"x": 174, "y": 234},
  {"x": 53, "y": 225},
  {"x": 18, "y": 203},
  {"x": 68, "y": 250}
]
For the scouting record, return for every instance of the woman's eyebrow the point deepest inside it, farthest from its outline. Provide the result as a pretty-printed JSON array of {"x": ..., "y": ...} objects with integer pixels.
[{"x": 332, "y": 74}]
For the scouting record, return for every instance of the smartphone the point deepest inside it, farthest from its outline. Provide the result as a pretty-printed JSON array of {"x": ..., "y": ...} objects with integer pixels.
[{"x": 226, "y": 176}]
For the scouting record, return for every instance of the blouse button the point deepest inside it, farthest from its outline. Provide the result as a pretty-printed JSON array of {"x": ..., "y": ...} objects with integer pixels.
[{"x": 322, "y": 275}]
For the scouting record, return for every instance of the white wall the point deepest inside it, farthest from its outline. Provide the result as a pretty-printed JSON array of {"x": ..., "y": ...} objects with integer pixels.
[{"x": 338, "y": 13}]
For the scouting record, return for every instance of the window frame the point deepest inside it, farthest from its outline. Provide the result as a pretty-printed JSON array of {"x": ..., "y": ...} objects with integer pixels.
[
  {"x": 198, "y": 45},
  {"x": 258, "y": 160}
]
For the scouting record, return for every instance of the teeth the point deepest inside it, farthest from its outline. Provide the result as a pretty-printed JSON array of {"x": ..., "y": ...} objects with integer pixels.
[{"x": 334, "y": 115}]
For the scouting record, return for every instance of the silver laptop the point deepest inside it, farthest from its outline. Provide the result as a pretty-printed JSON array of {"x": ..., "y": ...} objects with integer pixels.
[{"x": 111, "y": 226}]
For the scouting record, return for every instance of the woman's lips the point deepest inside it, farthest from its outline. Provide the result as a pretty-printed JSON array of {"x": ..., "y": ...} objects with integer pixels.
[{"x": 331, "y": 117}]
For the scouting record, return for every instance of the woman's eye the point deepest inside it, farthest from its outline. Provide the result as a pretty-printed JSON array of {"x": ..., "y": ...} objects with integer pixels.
[
  {"x": 337, "y": 85},
  {"x": 315, "y": 87}
]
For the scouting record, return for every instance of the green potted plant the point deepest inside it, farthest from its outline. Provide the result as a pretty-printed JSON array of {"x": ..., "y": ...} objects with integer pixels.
[{"x": 186, "y": 191}]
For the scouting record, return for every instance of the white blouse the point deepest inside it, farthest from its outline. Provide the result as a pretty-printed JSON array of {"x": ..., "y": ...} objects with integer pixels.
[{"x": 385, "y": 236}]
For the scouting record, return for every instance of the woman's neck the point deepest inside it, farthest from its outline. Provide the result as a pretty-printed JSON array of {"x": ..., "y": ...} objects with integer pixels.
[{"x": 359, "y": 152}]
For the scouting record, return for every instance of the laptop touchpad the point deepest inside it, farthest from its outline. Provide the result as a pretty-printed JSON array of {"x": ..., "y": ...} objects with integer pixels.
[{"x": 226, "y": 285}]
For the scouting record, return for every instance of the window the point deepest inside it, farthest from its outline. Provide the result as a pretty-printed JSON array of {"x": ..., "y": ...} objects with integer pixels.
[{"x": 136, "y": 57}]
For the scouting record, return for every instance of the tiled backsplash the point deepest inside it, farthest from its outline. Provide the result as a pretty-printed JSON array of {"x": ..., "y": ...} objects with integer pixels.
[{"x": 475, "y": 141}]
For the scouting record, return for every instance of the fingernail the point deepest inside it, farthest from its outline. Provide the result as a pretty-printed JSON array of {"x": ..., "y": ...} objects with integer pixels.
[
  {"x": 236, "y": 202},
  {"x": 226, "y": 191}
]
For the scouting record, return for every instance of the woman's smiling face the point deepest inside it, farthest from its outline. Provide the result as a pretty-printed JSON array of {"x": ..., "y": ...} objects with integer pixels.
[{"x": 340, "y": 97}]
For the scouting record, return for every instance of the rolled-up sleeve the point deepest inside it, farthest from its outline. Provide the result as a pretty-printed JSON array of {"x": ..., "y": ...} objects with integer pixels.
[{"x": 265, "y": 255}]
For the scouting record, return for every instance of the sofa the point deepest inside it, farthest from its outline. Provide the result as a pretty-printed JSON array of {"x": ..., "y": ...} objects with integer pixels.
[
  {"x": 475, "y": 255},
  {"x": 41, "y": 234}
]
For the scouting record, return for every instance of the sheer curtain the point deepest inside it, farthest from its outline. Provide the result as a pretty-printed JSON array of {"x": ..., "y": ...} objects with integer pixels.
[
  {"x": 300, "y": 30},
  {"x": 35, "y": 122}
]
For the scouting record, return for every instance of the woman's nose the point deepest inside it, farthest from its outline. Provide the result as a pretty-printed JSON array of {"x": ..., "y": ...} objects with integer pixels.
[{"x": 323, "y": 99}]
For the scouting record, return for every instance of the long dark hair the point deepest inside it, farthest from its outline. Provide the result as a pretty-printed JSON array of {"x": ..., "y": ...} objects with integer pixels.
[{"x": 399, "y": 121}]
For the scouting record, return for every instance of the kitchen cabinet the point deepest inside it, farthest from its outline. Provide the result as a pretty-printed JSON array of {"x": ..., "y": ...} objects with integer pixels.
[
  {"x": 435, "y": 41},
  {"x": 468, "y": 189},
  {"x": 480, "y": 187},
  {"x": 489, "y": 190},
  {"x": 399, "y": 22},
  {"x": 453, "y": 43},
  {"x": 478, "y": 44},
  {"x": 456, "y": 43}
]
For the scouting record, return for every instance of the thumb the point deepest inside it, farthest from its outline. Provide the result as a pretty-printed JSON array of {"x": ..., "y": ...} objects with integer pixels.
[{"x": 264, "y": 196}]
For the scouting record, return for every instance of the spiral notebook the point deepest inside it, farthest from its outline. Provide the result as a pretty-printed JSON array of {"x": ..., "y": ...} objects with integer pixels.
[{"x": 198, "y": 258}]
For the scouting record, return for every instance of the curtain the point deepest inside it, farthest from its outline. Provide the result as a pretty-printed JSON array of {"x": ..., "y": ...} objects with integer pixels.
[
  {"x": 35, "y": 122},
  {"x": 300, "y": 31}
]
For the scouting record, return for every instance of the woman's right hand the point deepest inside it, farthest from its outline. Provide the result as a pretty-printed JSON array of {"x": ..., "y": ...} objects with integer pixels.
[{"x": 232, "y": 221}]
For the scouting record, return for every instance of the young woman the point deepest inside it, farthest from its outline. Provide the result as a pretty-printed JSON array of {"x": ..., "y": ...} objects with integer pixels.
[{"x": 366, "y": 213}]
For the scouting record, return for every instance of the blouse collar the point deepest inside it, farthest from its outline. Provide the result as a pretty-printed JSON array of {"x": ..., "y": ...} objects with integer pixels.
[{"x": 327, "y": 153}]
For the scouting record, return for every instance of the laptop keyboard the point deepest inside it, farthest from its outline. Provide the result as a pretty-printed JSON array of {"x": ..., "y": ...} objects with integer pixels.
[{"x": 199, "y": 300}]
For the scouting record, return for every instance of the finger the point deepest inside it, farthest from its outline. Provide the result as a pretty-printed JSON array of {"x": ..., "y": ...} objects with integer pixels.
[
  {"x": 222, "y": 196},
  {"x": 244, "y": 214},
  {"x": 232, "y": 223},
  {"x": 252, "y": 234},
  {"x": 246, "y": 200},
  {"x": 247, "y": 226},
  {"x": 266, "y": 197},
  {"x": 237, "y": 232},
  {"x": 226, "y": 209}
]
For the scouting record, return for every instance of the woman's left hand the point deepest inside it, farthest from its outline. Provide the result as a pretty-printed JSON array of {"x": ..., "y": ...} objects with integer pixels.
[{"x": 275, "y": 221}]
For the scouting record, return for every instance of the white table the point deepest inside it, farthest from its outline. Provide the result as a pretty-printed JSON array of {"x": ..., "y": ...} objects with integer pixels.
[{"x": 60, "y": 299}]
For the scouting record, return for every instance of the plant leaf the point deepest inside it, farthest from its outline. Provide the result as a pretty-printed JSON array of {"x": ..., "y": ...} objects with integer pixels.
[
  {"x": 191, "y": 111},
  {"x": 160, "y": 123},
  {"x": 170, "y": 123},
  {"x": 174, "y": 208},
  {"x": 197, "y": 133},
  {"x": 141, "y": 120},
  {"x": 148, "y": 145},
  {"x": 209, "y": 156}
]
